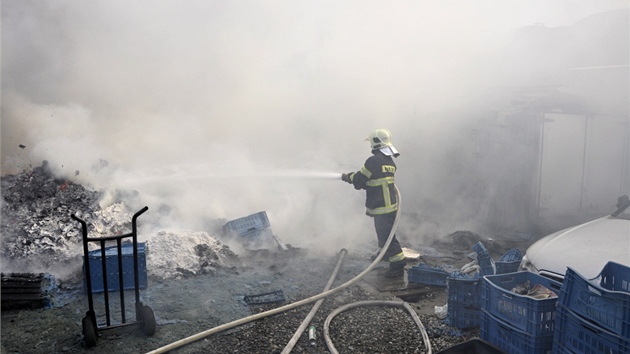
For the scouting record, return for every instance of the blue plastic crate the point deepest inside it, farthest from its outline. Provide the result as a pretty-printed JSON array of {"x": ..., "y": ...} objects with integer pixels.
[
  {"x": 507, "y": 267},
  {"x": 484, "y": 260},
  {"x": 464, "y": 291},
  {"x": 424, "y": 274},
  {"x": 479, "y": 247},
  {"x": 463, "y": 317},
  {"x": 615, "y": 277},
  {"x": 513, "y": 254},
  {"x": 604, "y": 299},
  {"x": 245, "y": 225},
  {"x": 533, "y": 316},
  {"x": 257, "y": 234},
  {"x": 486, "y": 263},
  {"x": 111, "y": 263},
  {"x": 577, "y": 335},
  {"x": 509, "y": 262},
  {"x": 464, "y": 301},
  {"x": 511, "y": 339}
]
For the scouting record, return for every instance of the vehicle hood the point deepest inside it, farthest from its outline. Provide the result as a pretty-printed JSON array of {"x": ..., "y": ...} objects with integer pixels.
[{"x": 585, "y": 248}]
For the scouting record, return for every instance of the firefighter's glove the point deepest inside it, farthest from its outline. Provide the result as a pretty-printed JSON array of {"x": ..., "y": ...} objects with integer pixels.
[{"x": 347, "y": 177}]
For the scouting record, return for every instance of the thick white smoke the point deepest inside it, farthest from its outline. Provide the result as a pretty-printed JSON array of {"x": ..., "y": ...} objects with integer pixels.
[{"x": 210, "y": 107}]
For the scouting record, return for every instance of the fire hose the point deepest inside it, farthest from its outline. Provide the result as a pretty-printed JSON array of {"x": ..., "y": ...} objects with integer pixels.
[
  {"x": 242, "y": 321},
  {"x": 414, "y": 315},
  {"x": 287, "y": 349}
]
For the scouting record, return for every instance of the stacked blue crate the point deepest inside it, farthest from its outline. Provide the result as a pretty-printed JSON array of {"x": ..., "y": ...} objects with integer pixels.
[
  {"x": 464, "y": 292},
  {"x": 515, "y": 322},
  {"x": 594, "y": 314},
  {"x": 484, "y": 260},
  {"x": 464, "y": 301}
]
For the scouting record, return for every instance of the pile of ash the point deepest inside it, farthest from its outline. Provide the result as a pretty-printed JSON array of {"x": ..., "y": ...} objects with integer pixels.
[{"x": 175, "y": 255}]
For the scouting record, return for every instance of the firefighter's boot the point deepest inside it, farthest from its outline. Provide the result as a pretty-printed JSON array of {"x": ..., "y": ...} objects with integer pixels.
[{"x": 396, "y": 270}]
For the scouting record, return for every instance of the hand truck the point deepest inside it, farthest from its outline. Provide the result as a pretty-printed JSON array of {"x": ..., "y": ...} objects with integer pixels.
[{"x": 144, "y": 315}]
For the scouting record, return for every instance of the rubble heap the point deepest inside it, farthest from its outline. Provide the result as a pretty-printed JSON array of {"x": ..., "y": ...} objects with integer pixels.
[{"x": 36, "y": 209}]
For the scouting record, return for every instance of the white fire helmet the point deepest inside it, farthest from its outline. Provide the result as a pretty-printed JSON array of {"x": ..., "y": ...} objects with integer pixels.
[{"x": 381, "y": 139}]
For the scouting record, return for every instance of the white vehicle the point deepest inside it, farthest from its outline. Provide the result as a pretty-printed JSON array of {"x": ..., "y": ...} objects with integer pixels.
[{"x": 586, "y": 248}]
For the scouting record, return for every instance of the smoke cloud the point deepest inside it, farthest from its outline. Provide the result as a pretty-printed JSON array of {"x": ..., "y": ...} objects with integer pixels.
[{"x": 218, "y": 109}]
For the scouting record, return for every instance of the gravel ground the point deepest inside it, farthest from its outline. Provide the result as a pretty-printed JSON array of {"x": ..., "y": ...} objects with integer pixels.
[{"x": 191, "y": 305}]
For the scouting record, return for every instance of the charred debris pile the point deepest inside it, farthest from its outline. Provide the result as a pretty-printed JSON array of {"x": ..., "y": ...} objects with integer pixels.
[{"x": 36, "y": 227}]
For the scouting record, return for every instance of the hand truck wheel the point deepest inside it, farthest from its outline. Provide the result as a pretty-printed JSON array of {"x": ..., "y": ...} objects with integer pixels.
[
  {"x": 89, "y": 332},
  {"x": 147, "y": 321}
]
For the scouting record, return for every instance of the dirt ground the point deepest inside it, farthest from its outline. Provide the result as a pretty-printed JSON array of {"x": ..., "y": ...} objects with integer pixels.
[{"x": 191, "y": 305}]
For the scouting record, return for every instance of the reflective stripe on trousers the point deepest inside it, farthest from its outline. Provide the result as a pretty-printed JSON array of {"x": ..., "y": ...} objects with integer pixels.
[{"x": 397, "y": 258}]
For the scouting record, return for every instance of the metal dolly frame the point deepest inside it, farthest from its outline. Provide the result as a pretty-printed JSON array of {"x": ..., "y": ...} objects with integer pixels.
[{"x": 144, "y": 314}]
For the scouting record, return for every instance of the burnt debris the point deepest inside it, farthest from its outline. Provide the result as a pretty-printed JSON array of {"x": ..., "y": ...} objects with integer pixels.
[{"x": 36, "y": 224}]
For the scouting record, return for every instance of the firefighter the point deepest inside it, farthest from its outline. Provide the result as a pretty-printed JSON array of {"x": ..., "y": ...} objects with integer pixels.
[{"x": 377, "y": 178}]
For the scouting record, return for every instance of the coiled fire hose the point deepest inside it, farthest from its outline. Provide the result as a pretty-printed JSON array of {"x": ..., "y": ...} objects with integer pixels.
[{"x": 242, "y": 321}]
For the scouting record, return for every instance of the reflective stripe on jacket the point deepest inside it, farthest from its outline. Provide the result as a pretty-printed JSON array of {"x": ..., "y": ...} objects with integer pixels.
[{"x": 377, "y": 178}]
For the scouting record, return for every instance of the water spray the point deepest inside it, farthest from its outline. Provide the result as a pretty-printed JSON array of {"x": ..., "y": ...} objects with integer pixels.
[
  {"x": 304, "y": 174},
  {"x": 185, "y": 174}
]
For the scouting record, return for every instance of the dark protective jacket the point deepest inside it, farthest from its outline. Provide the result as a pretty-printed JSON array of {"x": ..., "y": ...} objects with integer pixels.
[{"x": 377, "y": 178}]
